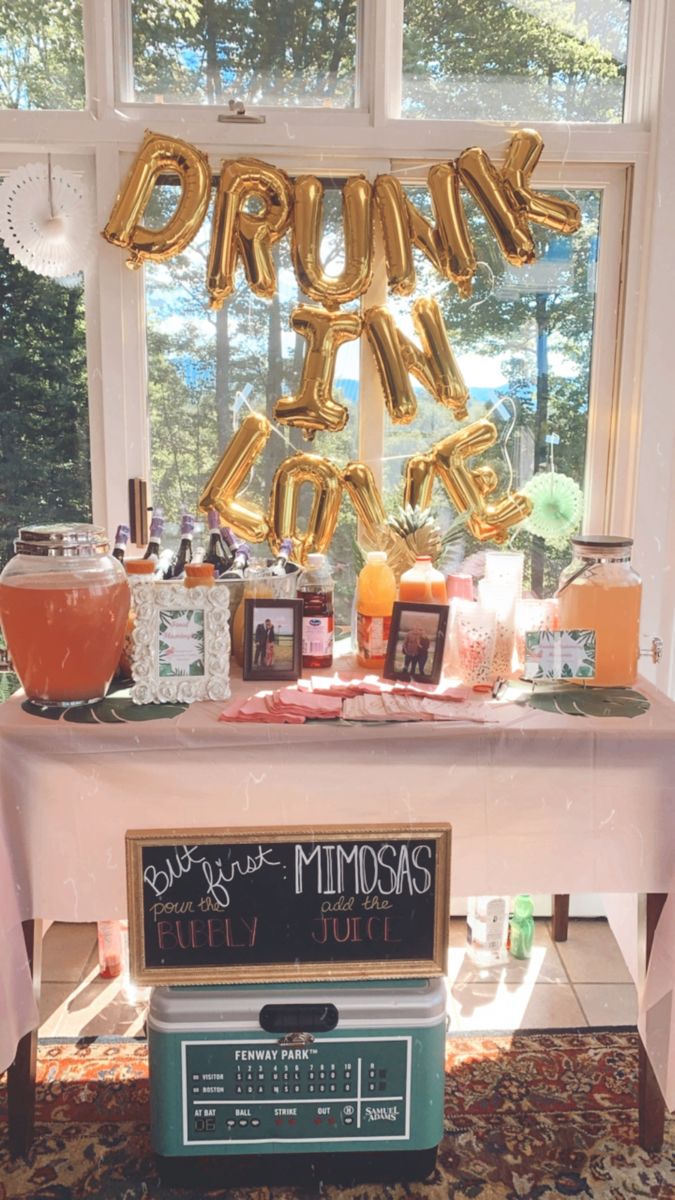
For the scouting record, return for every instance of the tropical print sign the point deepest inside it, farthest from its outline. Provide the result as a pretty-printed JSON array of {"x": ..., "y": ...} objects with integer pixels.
[
  {"x": 560, "y": 654},
  {"x": 181, "y": 642}
]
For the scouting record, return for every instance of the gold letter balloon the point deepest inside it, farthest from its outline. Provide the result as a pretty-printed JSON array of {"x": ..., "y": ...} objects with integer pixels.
[
  {"x": 250, "y": 236},
  {"x": 324, "y": 478},
  {"x": 236, "y": 461},
  {"x": 313, "y": 407},
  {"x": 158, "y": 155},
  {"x": 397, "y": 358},
  {"x": 468, "y": 488},
  {"x": 357, "y": 216}
]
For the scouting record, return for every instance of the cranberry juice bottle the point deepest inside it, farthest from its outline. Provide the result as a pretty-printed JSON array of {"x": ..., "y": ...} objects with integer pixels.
[{"x": 315, "y": 589}]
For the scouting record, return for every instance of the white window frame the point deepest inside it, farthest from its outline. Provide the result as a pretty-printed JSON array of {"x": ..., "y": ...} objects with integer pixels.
[{"x": 623, "y": 159}]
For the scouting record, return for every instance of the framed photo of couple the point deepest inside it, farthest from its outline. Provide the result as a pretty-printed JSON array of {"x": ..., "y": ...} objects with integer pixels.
[
  {"x": 272, "y": 639},
  {"x": 416, "y": 642}
]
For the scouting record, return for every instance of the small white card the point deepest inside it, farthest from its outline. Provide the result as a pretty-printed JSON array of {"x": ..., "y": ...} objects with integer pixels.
[{"x": 560, "y": 654}]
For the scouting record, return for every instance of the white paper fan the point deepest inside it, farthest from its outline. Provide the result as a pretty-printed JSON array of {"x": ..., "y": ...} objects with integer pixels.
[{"x": 47, "y": 219}]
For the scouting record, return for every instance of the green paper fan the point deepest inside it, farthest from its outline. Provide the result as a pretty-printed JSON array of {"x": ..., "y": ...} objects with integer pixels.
[{"x": 557, "y": 507}]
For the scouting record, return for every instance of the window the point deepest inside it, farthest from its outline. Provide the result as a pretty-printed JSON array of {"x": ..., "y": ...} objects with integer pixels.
[
  {"x": 41, "y": 54},
  {"x": 257, "y": 51},
  {"x": 523, "y": 343},
  {"x": 44, "y": 447},
  {"x": 347, "y": 87},
  {"x": 538, "y": 60},
  {"x": 206, "y": 370}
]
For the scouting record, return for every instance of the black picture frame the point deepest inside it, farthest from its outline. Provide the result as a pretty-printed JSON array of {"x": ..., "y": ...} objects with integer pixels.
[
  {"x": 254, "y": 668},
  {"x": 432, "y": 619}
]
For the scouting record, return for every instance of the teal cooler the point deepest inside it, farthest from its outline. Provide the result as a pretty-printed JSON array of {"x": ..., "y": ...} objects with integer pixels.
[{"x": 315, "y": 1072}]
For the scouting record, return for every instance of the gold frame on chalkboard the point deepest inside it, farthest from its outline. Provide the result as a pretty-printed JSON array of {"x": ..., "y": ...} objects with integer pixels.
[{"x": 412, "y": 968}]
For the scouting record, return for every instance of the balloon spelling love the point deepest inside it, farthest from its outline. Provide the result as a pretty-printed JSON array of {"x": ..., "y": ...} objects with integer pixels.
[{"x": 447, "y": 461}]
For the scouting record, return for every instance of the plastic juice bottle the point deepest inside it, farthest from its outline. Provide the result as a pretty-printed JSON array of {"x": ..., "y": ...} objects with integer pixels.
[
  {"x": 199, "y": 575},
  {"x": 423, "y": 584},
  {"x": 134, "y": 567},
  {"x": 522, "y": 927},
  {"x": 375, "y": 596},
  {"x": 315, "y": 589}
]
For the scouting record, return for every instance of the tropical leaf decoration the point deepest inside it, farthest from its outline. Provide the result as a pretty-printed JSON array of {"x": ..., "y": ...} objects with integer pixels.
[
  {"x": 571, "y": 700},
  {"x": 116, "y": 709},
  {"x": 412, "y": 532}
]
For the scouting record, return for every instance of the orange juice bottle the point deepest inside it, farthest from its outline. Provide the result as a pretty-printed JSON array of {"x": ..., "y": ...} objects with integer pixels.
[
  {"x": 375, "y": 596},
  {"x": 201, "y": 574},
  {"x": 423, "y": 584}
]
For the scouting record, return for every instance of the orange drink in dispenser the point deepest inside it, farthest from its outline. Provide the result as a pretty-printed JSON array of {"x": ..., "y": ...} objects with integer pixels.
[
  {"x": 601, "y": 591},
  {"x": 63, "y": 606}
]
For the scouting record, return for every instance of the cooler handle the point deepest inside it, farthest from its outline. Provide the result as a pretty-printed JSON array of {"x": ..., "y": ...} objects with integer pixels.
[{"x": 298, "y": 1018}]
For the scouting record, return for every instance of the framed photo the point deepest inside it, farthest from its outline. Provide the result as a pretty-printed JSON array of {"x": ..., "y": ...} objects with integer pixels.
[
  {"x": 416, "y": 642},
  {"x": 181, "y": 642},
  {"x": 272, "y": 639}
]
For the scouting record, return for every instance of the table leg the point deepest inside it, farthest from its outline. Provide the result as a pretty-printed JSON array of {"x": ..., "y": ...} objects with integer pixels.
[
  {"x": 21, "y": 1074},
  {"x": 561, "y": 916},
  {"x": 652, "y": 1108}
]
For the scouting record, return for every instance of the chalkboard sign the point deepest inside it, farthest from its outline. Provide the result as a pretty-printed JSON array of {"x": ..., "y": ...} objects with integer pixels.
[{"x": 256, "y": 905}]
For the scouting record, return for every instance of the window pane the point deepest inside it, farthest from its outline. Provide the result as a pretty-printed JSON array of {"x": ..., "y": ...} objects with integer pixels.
[
  {"x": 546, "y": 60},
  {"x": 41, "y": 54},
  {"x": 44, "y": 421},
  {"x": 523, "y": 344},
  {"x": 206, "y": 370},
  {"x": 258, "y": 51}
]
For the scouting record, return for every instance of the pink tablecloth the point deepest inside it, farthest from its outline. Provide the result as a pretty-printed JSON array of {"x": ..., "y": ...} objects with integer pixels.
[{"x": 539, "y": 802}]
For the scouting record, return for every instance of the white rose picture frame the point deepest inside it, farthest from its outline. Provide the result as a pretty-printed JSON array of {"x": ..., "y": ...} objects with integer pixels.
[{"x": 181, "y": 642}]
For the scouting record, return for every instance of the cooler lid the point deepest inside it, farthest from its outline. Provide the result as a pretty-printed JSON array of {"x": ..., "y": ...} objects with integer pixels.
[{"x": 237, "y": 1007}]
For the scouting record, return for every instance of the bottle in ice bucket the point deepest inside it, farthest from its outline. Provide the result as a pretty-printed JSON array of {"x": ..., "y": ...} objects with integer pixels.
[
  {"x": 121, "y": 539},
  {"x": 375, "y": 596},
  {"x": 601, "y": 591},
  {"x": 184, "y": 553},
  {"x": 217, "y": 553},
  {"x": 487, "y": 927},
  {"x": 64, "y": 602},
  {"x": 280, "y": 564},
  {"x": 154, "y": 546},
  {"x": 241, "y": 558},
  {"x": 423, "y": 584},
  {"x": 315, "y": 589}
]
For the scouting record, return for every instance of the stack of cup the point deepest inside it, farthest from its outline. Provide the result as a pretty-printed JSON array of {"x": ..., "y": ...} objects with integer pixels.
[{"x": 499, "y": 592}]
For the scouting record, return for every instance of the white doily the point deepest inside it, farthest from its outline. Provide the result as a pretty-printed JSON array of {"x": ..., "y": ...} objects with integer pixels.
[{"x": 47, "y": 225}]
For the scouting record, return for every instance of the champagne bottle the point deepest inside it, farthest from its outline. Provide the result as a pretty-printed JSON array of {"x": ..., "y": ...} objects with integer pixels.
[
  {"x": 280, "y": 564},
  {"x": 121, "y": 539},
  {"x": 184, "y": 554},
  {"x": 217, "y": 553},
  {"x": 242, "y": 553},
  {"x": 154, "y": 546}
]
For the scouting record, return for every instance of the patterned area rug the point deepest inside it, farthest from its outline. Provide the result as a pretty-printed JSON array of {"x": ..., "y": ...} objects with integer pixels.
[{"x": 528, "y": 1117}]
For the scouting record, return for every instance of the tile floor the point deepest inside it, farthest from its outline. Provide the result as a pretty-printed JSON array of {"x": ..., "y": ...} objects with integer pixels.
[{"x": 583, "y": 981}]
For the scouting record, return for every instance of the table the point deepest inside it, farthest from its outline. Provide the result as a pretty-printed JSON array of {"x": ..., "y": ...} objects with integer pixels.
[{"x": 538, "y": 801}]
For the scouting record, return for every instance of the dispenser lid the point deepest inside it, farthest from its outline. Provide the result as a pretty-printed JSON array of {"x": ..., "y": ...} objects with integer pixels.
[
  {"x": 599, "y": 544},
  {"x": 62, "y": 541}
]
